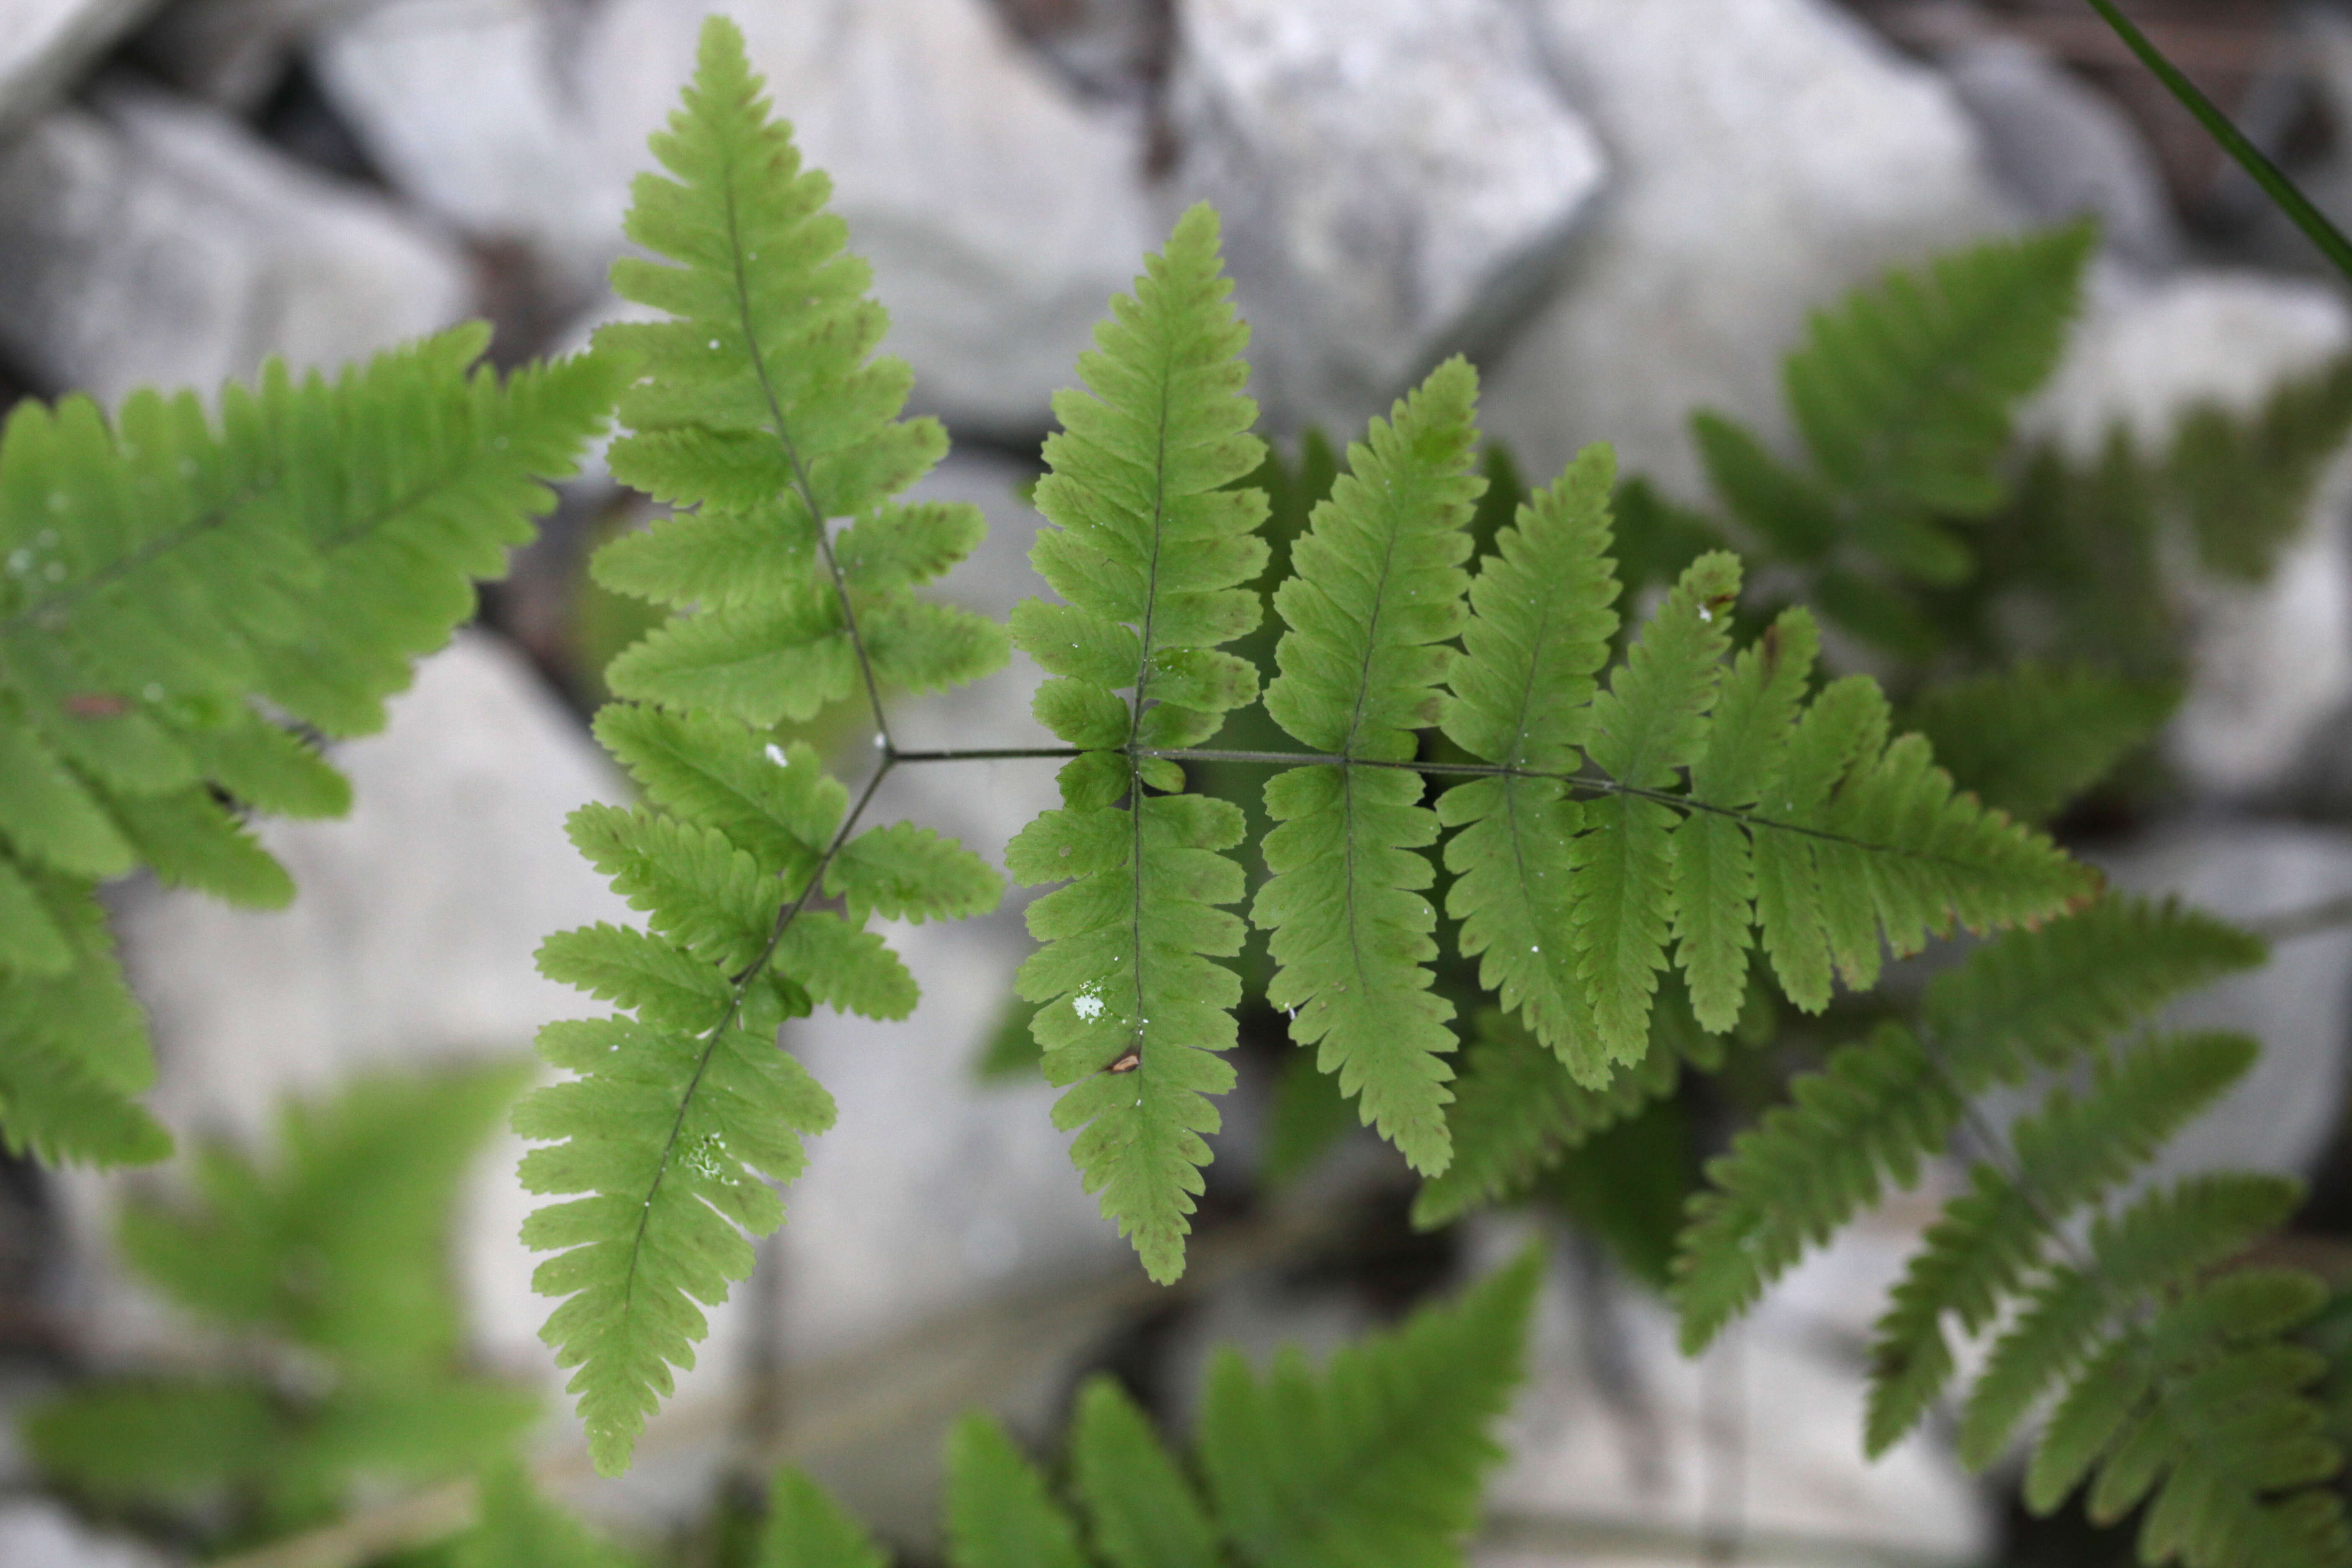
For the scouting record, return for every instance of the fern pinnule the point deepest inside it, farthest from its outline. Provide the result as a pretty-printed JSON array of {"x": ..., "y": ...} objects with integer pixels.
[
  {"x": 1991, "y": 1236},
  {"x": 2029, "y": 739},
  {"x": 1377, "y": 593},
  {"x": 165, "y": 569},
  {"x": 1715, "y": 870},
  {"x": 1380, "y": 1457},
  {"x": 759, "y": 410},
  {"x": 1542, "y": 614},
  {"x": 806, "y": 1529},
  {"x": 998, "y": 1511},
  {"x": 1648, "y": 724},
  {"x": 1149, "y": 553},
  {"x": 2039, "y": 996},
  {"x": 1515, "y": 1112},
  {"x": 2164, "y": 1238},
  {"x": 1143, "y": 1510}
]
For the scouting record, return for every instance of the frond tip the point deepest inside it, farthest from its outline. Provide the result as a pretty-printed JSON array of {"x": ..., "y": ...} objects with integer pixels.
[
  {"x": 761, "y": 415},
  {"x": 1147, "y": 551}
]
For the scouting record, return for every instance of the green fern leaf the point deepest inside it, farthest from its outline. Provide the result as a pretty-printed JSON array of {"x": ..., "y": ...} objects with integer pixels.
[
  {"x": 2246, "y": 483},
  {"x": 806, "y": 1529},
  {"x": 761, "y": 416},
  {"x": 1877, "y": 1108},
  {"x": 1991, "y": 1236},
  {"x": 1542, "y": 618},
  {"x": 1150, "y": 550},
  {"x": 1000, "y": 1514},
  {"x": 513, "y": 1528},
  {"x": 1379, "y": 1459},
  {"x": 1515, "y": 1112},
  {"x": 2031, "y": 739},
  {"x": 758, "y": 405},
  {"x": 1715, "y": 876},
  {"x": 1904, "y": 392},
  {"x": 1376, "y": 591},
  {"x": 165, "y": 569},
  {"x": 1144, "y": 1512},
  {"x": 2047, "y": 996},
  {"x": 2169, "y": 1236}
]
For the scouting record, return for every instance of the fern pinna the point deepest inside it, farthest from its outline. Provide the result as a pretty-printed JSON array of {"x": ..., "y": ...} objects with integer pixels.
[
  {"x": 178, "y": 586},
  {"x": 1601, "y": 827},
  {"x": 2170, "y": 1379}
]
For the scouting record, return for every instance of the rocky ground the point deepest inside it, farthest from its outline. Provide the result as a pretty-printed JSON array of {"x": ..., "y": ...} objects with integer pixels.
[{"x": 1622, "y": 208}]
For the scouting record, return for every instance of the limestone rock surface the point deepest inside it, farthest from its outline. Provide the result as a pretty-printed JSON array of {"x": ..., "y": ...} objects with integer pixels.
[
  {"x": 48, "y": 43},
  {"x": 1399, "y": 178},
  {"x": 1766, "y": 156},
  {"x": 156, "y": 242}
]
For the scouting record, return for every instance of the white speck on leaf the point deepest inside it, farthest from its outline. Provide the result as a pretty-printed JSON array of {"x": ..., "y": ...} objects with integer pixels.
[{"x": 776, "y": 755}]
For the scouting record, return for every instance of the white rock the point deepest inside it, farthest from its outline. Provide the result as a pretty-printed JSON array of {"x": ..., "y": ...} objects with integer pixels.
[
  {"x": 1617, "y": 1434},
  {"x": 47, "y": 43},
  {"x": 37, "y": 1533},
  {"x": 2299, "y": 1006},
  {"x": 2063, "y": 149},
  {"x": 465, "y": 107},
  {"x": 1769, "y": 155},
  {"x": 2270, "y": 664},
  {"x": 999, "y": 210},
  {"x": 410, "y": 942},
  {"x": 1397, "y": 178},
  {"x": 159, "y": 243}
]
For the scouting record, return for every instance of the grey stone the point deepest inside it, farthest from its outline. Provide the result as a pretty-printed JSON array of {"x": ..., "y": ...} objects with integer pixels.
[
  {"x": 37, "y": 1533},
  {"x": 1000, "y": 209},
  {"x": 2299, "y": 1006},
  {"x": 1767, "y": 156},
  {"x": 156, "y": 242},
  {"x": 2063, "y": 149},
  {"x": 1397, "y": 180},
  {"x": 2271, "y": 664},
  {"x": 1616, "y": 1434},
  {"x": 47, "y": 44},
  {"x": 231, "y": 53},
  {"x": 466, "y": 107}
]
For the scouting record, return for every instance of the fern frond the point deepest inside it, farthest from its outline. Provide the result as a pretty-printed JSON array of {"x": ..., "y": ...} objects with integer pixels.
[
  {"x": 1904, "y": 392},
  {"x": 335, "y": 1249},
  {"x": 1648, "y": 724},
  {"x": 164, "y": 571},
  {"x": 1379, "y": 1459},
  {"x": 1876, "y": 1109},
  {"x": 1515, "y": 1111},
  {"x": 1142, "y": 1508},
  {"x": 2246, "y": 482},
  {"x": 514, "y": 1527},
  {"x": 2199, "y": 1406},
  {"x": 1993, "y": 1236},
  {"x": 1377, "y": 592},
  {"x": 341, "y": 1243},
  {"x": 2047, "y": 995},
  {"x": 758, "y": 406},
  {"x": 2030, "y": 738},
  {"x": 1542, "y": 614},
  {"x": 759, "y": 409},
  {"x": 806, "y": 1529},
  {"x": 1000, "y": 1514},
  {"x": 2167, "y": 1238},
  {"x": 1149, "y": 553}
]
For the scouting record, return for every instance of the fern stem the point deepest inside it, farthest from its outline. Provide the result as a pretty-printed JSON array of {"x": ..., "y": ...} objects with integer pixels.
[
  {"x": 1582, "y": 783},
  {"x": 742, "y": 981},
  {"x": 2274, "y": 181},
  {"x": 2313, "y": 920},
  {"x": 781, "y": 428}
]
